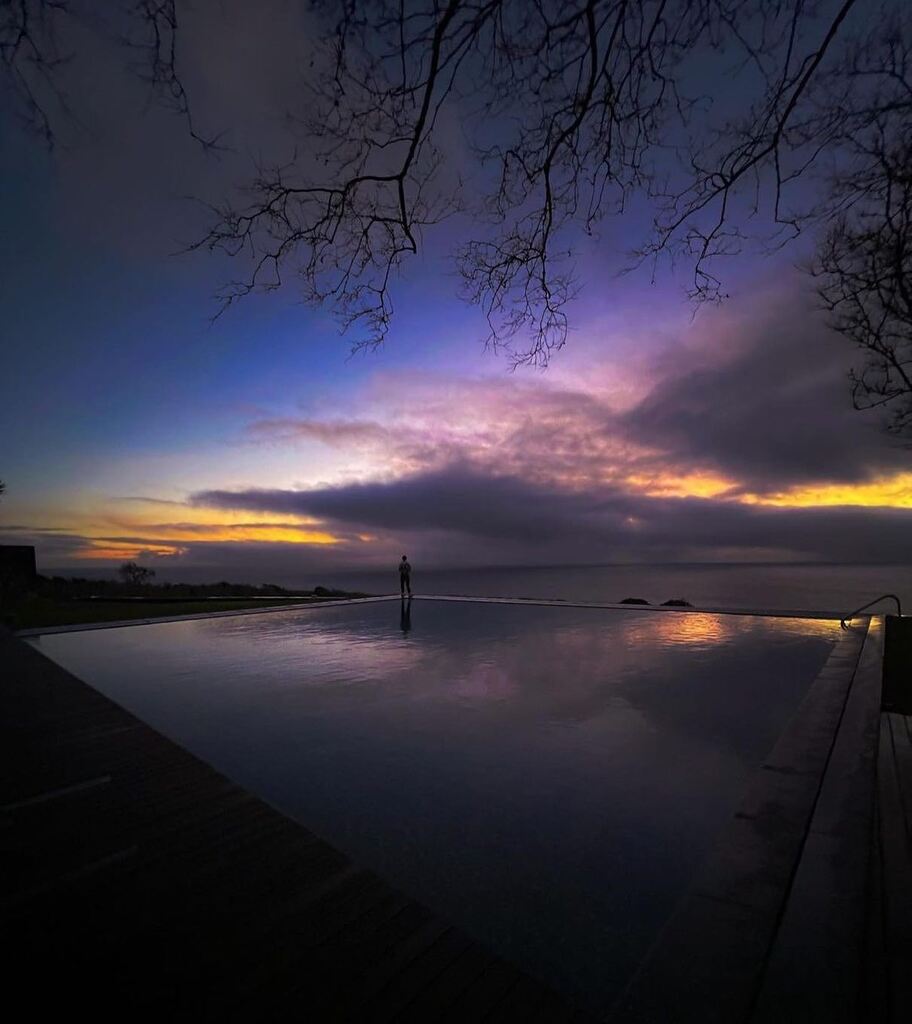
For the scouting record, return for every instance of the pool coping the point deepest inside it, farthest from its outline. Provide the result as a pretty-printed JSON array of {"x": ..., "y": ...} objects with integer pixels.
[{"x": 522, "y": 601}]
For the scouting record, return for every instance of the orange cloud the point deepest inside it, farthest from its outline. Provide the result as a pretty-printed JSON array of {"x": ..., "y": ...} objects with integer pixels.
[
  {"x": 284, "y": 534},
  {"x": 684, "y": 485},
  {"x": 106, "y": 551},
  {"x": 124, "y": 529}
]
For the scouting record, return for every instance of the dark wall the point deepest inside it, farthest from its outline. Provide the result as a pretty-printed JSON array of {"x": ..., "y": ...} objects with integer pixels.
[
  {"x": 897, "y": 683},
  {"x": 17, "y": 561}
]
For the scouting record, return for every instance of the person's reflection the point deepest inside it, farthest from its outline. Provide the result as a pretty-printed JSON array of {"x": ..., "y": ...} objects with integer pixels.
[{"x": 405, "y": 615}]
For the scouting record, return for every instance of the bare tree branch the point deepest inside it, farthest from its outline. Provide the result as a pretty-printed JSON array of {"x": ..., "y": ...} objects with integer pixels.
[
  {"x": 864, "y": 267},
  {"x": 531, "y": 121},
  {"x": 30, "y": 57},
  {"x": 155, "y": 39}
]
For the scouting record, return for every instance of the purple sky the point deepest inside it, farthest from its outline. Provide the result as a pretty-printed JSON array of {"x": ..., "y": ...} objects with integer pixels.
[{"x": 133, "y": 429}]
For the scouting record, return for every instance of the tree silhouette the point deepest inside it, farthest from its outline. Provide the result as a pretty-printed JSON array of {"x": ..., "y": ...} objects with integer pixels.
[
  {"x": 528, "y": 124},
  {"x": 136, "y": 575},
  {"x": 32, "y": 54},
  {"x": 865, "y": 264},
  {"x": 569, "y": 111}
]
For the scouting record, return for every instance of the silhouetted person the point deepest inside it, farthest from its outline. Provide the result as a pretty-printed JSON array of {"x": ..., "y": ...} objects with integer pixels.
[
  {"x": 405, "y": 577},
  {"x": 405, "y": 614}
]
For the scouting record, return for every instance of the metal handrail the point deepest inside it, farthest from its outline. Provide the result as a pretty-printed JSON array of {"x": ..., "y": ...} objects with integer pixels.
[{"x": 883, "y": 597}]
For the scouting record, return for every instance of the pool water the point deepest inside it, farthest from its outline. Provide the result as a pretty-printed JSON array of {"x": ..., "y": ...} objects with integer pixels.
[{"x": 547, "y": 778}]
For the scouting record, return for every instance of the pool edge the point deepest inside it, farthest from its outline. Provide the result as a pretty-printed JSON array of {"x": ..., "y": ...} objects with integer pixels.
[{"x": 520, "y": 601}]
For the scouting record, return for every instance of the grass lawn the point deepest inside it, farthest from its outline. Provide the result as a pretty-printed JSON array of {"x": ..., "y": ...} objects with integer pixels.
[{"x": 32, "y": 612}]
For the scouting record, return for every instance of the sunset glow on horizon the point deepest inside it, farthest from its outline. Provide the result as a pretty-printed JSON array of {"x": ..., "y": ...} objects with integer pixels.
[{"x": 575, "y": 445}]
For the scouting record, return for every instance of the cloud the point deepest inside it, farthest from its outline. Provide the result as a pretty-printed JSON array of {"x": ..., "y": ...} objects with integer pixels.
[
  {"x": 754, "y": 398},
  {"x": 749, "y": 408},
  {"x": 458, "y": 498},
  {"x": 537, "y": 429},
  {"x": 765, "y": 399},
  {"x": 525, "y": 519},
  {"x": 59, "y": 547},
  {"x": 332, "y": 432},
  {"x": 143, "y": 500}
]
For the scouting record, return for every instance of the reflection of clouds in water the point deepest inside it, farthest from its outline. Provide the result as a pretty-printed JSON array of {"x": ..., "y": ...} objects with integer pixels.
[
  {"x": 326, "y": 652},
  {"x": 486, "y": 681},
  {"x": 563, "y": 671},
  {"x": 571, "y": 671},
  {"x": 697, "y": 673}
]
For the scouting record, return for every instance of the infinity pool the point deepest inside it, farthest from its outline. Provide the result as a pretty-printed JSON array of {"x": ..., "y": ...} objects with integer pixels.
[{"x": 547, "y": 778}]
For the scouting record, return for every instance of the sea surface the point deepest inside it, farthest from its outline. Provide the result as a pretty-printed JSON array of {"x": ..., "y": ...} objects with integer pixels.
[
  {"x": 779, "y": 587},
  {"x": 835, "y": 589}
]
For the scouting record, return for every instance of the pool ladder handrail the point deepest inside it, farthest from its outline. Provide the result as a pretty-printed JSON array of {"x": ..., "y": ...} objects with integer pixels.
[{"x": 883, "y": 597}]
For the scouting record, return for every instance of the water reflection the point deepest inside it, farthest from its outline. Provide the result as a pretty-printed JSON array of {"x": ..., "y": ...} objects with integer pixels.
[
  {"x": 546, "y": 778},
  {"x": 405, "y": 615},
  {"x": 706, "y": 630},
  {"x": 698, "y": 629}
]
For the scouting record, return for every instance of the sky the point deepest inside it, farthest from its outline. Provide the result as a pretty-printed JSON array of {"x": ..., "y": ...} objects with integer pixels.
[{"x": 132, "y": 427}]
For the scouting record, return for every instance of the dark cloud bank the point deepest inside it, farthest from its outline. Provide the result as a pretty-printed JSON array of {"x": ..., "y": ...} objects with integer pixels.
[
  {"x": 768, "y": 403},
  {"x": 524, "y": 519}
]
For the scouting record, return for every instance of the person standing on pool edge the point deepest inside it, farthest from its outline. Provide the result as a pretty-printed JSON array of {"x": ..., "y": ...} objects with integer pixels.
[{"x": 405, "y": 577}]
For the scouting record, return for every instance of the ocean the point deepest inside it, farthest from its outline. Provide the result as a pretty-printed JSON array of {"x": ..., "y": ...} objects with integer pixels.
[
  {"x": 780, "y": 587},
  {"x": 772, "y": 586}
]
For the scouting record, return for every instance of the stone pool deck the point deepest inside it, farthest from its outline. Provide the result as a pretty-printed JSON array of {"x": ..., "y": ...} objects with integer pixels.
[{"x": 137, "y": 880}]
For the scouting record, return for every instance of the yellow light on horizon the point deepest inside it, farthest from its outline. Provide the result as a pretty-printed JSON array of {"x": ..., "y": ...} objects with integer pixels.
[
  {"x": 889, "y": 492},
  {"x": 166, "y": 544},
  {"x": 107, "y": 551},
  {"x": 134, "y": 527},
  {"x": 680, "y": 485},
  {"x": 266, "y": 534},
  {"x": 148, "y": 514}
]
